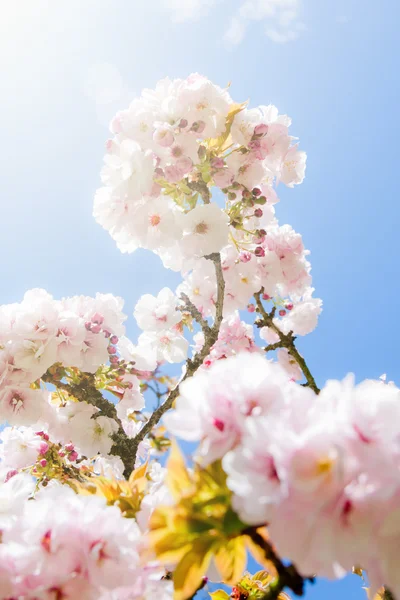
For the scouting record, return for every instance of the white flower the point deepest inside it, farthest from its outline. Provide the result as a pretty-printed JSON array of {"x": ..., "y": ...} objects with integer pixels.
[
  {"x": 20, "y": 447},
  {"x": 169, "y": 345},
  {"x": 205, "y": 230},
  {"x": 157, "y": 313}
]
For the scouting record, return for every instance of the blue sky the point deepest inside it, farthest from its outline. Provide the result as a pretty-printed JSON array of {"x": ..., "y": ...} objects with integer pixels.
[{"x": 332, "y": 66}]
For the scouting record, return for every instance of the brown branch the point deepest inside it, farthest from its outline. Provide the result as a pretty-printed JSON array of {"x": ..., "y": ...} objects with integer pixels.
[
  {"x": 210, "y": 337},
  {"x": 196, "y": 314},
  {"x": 201, "y": 188},
  {"x": 219, "y": 307},
  {"x": 86, "y": 391},
  {"x": 285, "y": 340},
  {"x": 287, "y": 576}
]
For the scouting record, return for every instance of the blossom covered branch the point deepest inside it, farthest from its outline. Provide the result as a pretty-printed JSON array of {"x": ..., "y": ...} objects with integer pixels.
[
  {"x": 285, "y": 340},
  {"x": 87, "y": 509}
]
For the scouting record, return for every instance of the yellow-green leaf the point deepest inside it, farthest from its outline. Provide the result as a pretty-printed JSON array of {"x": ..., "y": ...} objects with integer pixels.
[
  {"x": 219, "y": 595},
  {"x": 177, "y": 478},
  {"x": 192, "y": 568},
  {"x": 231, "y": 560}
]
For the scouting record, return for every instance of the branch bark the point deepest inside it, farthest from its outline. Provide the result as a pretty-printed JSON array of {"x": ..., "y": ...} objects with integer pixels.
[
  {"x": 210, "y": 337},
  {"x": 201, "y": 188},
  {"x": 287, "y": 576},
  {"x": 285, "y": 341},
  {"x": 86, "y": 391}
]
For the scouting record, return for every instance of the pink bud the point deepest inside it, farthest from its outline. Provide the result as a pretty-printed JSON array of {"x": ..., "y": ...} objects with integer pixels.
[
  {"x": 98, "y": 319},
  {"x": 114, "y": 339},
  {"x": 95, "y": 328},
  {"x": 244, "y": 256},
  {"x": 114, "y": 360},
  {"x": 73, "y": 456},
  {"x": 258, "y": 213},
  {"x": 251, "y": 308},
  {"x": 261, "y": 129},
  {"x": 69, "y": 447},
  {"x": 43, "y": 462},
  {"x": 259, "y": 251},
  {"x": 289, "y": 306},
  {"x": 43, "y": 448},
  {"x": 282, "y": 313},
  {"x": 257, "y": 192},
  {"x": 111, "y": 350},
  {"x": 217, "y": 163},
  {"x": 183, "y": 123},
  {"x": 61, "y": 454},
  {"x": 266, "y": 297}
]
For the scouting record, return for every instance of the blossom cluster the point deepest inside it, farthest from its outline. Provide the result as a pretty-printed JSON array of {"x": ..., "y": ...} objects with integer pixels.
[
  {"x": 161, "y": 322},
  {"x": 192, "y": 176},
  {"x": 322, "y": 471},
  {"x": 78, "y": 332},
  {"x": 84, "y": 549},
  {"x": 168, "y": 141}
]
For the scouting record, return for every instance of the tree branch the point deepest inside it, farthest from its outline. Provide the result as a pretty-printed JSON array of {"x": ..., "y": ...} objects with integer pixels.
[
  {"x": 196, "y": 314},
  {"x": 210, "y": 337},
  {"x": 86, "y": 391},
  {"x": 201, "y": 188},
  {"x": 285, "y": 340},
  {"x": 287, "y": 576}
]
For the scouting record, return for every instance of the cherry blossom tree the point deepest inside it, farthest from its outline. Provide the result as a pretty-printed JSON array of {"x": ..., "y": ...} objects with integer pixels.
[{"x": 96, "y": 498}]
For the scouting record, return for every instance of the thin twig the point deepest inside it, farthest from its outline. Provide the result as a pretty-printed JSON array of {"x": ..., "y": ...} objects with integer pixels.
[
  {"x": 285, "y": 340},
  {"x": 196, "y": 314}
]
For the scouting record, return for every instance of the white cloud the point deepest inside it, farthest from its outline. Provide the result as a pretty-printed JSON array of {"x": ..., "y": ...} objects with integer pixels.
[
  {"x": 188, "y": 10},
  {"x": 281, "y": 17}
]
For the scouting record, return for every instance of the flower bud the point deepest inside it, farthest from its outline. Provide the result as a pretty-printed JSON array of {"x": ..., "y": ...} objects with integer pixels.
[
  {"x": 259, "y": 251},
  {"x": 282, "y": 313},
  {"x": 258, "y": 213},
  {"x": 114, "y": 339},
  {"x": 244, "y": 256}
]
